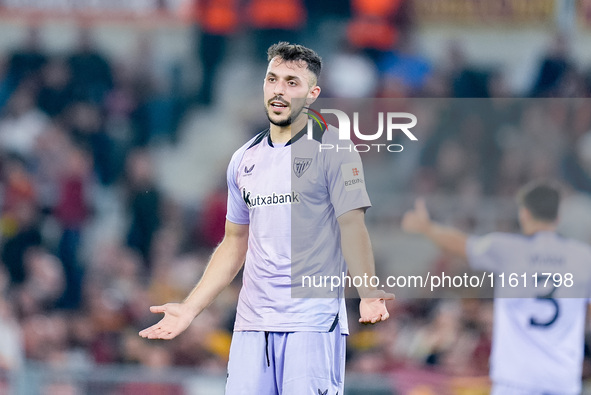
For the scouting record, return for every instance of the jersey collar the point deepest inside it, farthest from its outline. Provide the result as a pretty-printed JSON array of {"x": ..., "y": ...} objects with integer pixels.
[{"x": 317, "y": 132}]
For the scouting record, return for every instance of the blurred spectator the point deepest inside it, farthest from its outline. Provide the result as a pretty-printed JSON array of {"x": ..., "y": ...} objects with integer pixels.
[
  {"x": 52, "y": 151},
  {"x": 403, "y": 68},
  {"x": 56, "y": 91},
  {"x": 72, "y": 212},
  {"x": 26, "y": 61},
  {"x": 158, "y": 114},
  {"x": 471, "y": 82},
  {"x": 20, "y": 220},
  {"x": 553, "y": 69},
  {"x": 130, "y": 84},
  {"x": 90, "y": 71},
  {"x": 87, "y": 131},
  {"x": 350, "y": 74},
  {"x": 44, "y": 285},
  {"x": 15, "y": 246},
  {"x": 465, "y": 79},
  {"x": 215, "y": 22},
  {"x": 375, "y": 26},
  {"x": 22, "y": 123},
  {"x": 274, "y": 21},
  {"x": 144, "y": 203},
  {"x": 18, "y": 188},
  {"x": 72, "y": 208},
  {"x": 158, "y": 95},
  {"x": 212, "y": 222}
]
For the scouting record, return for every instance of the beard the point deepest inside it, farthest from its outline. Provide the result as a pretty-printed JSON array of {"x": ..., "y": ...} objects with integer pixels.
[{"x": 295, "y": 112}]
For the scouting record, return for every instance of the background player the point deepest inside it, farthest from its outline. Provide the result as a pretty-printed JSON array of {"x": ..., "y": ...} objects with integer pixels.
[
  {"x": 538, "y": 343},
  {"x": 283, "y": 344}
]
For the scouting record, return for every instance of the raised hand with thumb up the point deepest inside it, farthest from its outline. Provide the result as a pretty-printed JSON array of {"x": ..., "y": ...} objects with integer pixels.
[{"x": 417, "y": 220}]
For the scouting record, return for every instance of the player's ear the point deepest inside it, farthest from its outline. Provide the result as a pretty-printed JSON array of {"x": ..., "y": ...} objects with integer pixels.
[
  {"x": 313, "y": 94},
  {"x": 524, "y": 215}
]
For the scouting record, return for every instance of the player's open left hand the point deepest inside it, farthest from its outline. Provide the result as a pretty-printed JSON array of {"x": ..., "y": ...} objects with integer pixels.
[
  {"x": 373, "y": 309},
  {"x": 177, "y": 317},
  {"x": 418, "y": 219}
]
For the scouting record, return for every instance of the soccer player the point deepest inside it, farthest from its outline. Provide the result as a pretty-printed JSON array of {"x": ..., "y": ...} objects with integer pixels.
[
  {"x": 538, "y": 341},
  {"x": 288, "y": 215}
]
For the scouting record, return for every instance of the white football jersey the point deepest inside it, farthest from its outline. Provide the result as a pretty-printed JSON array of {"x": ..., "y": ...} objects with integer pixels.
[
  {"x": 538, "y": 331},
  {"x": 291, "y": 196}
]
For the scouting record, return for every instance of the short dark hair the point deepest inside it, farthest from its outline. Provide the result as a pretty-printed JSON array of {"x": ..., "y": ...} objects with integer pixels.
[
  {"x": 296, "y": 52},
  {"x": 541, "y": 198}
]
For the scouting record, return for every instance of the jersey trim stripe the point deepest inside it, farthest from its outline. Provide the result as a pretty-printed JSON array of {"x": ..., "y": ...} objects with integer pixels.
[
  {"x": 260, "y": 137},
  {"x": 317, "y": 133}
]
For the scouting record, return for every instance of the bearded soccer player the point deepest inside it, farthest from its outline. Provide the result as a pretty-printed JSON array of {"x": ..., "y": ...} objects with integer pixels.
[
  {"x": 287, "y": 215},
  {"x": 538, "y": 341}
]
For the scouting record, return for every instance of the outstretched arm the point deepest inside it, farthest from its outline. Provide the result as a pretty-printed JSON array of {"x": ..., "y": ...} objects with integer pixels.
[
  {"x": 447, "y": 238},
  {"x": 356, "y": 247},
  {"x": 223, "y": 266}
]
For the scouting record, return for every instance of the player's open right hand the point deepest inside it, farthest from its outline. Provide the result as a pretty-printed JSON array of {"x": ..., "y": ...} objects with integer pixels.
[
  {"x": 177, "y": 317},
  {"x": 417, "y": 220}
]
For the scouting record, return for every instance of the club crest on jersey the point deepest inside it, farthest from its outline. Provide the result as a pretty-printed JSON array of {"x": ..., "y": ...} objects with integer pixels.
[{"x": 300, "y": 165}]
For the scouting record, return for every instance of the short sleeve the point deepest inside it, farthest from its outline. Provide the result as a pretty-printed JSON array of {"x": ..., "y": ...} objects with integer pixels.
[
  {"x": 485, "y": 252},
  {"x": 346, "y": 181},
  {"x": 237, "y": 211}
]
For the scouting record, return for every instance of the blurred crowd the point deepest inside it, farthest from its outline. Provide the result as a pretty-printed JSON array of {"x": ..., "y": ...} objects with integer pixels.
[
  {"x": 75, "y": 134},
  {"x": 77, "y": 129}
]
